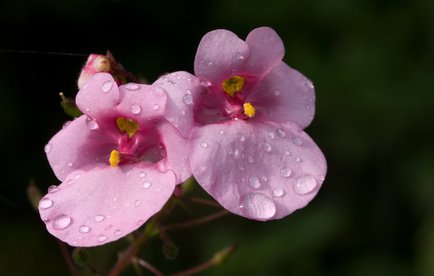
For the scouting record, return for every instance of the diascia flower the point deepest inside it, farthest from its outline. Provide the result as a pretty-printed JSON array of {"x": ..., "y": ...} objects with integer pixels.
[
  {"x": 118, "y": 163},
  {"x": 248, "y": 147}
]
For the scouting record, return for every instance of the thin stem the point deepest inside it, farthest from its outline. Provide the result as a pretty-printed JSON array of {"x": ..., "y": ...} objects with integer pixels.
[
  {"x": 147, "y": 266},
  {"x": 67, "y": 256},
  {"x": 129, "y": 253},
  {"x": 194, "y": 222},
  {"x": 202, "y": 201},
  {"x": 217, "y": 259}
]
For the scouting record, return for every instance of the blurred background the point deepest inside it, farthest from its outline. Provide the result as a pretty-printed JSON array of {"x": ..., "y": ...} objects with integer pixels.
[{"x": 372, "y": 63}]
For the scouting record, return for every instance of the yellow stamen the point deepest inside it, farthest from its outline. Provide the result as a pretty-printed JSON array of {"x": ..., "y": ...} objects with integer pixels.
[
  {"x": 115, "y": 158},
  {"x": 127, "y": 125},
  {"x": 249, "y": 110},
  {"x": 233, "y": 85}
]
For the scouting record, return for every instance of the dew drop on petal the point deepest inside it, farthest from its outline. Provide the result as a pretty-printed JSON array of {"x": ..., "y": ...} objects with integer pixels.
[
  {"x": 135, "y": 109},
  {"x": 99, "y": 218},
  {"x": 271, "y": 135},
  {"x": 67, "y": 123},
  {"x": 91, "y": 123},
  {"x": 221, "y": 131},
  {"x": 257, "y": 206},
  {"x": 142, "y": 174},
  {"x": 48, "y": 148},
  {"x": 239, "y": 56},
  {"x": 132, "y": 86},
  {"x": 45, "y": 203},
  {"x": 242, "y": 138},
  {"x": 102, "y": 238},
  {"x": 84, "y": 229},
  {"x": 250, "y": 159},
  {"x": 278, "y": 192},
  {"x": 52, "y": 189},
  {"x": 107, "y": 86},
  {"x": 204, "y": 145},
  {"x": 155, "y": 107},
  {"x": 254, "y": 182},
  {"x": 264, "y": 178},
  {"x": 187, "y": 99},
  {"x": 276, "y": 92},
  {"x": 281, "y": 133},
  {"x": 62, "y": 222},
  {"x": 118, "y": 232},
  {"x": 297, "y": 141},
  {"x": 140, "y": 222},
  {"x": 267, "y": 147},
  {"x": 146, "y": 184},
  {"x": 304, "y": 184},
  {"x": 137, "y": 203},
  {"x": 285, "y": 172},
  {"x": 298, "y": 159}
]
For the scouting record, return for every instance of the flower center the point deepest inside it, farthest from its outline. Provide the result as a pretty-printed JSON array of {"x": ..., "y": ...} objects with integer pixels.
[
  {"x": 128, "y": 126},
  {"x": 115, "y": 158},
  {"x": 233, "y": 85},
  {"x": 249, "y": 110}
]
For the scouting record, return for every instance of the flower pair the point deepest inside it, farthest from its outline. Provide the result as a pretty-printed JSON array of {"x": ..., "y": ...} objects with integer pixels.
[{"x": 236, "y": 126}]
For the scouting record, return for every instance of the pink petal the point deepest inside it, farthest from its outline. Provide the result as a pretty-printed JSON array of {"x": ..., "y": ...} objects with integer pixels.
[
  {"x": 141, "y": 102},
  {"x": 284, "y": 95},
  {"x": 220, "y": 53},
  {"x": 177, "y": 152},
  {"x": 102, "y": 205},
  {"x": 266, "y": 50},
  {"x": 98, "y": 96},
  {"x": 259, "y": 171},
  {"x": 183, "y": 90},
  {"x": 82, "y": 144}
]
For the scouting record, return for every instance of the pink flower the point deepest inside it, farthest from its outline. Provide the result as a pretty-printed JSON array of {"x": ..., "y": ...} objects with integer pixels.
[
  {"x": 119, "y": 163},
  {"x": 249, "y": 150}
]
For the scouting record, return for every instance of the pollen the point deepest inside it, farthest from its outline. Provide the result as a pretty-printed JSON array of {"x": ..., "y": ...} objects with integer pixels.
[
  {"x": 249, "y": 110},
  {"x": 233, "y": 85},
  {"x": 115, "y": 158},
  {"x": 128, "y": 126}
]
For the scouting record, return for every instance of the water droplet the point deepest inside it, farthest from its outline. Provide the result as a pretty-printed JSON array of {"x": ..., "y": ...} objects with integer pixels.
[
  {"x": 77, "y": 176},
  {"x": 242, "y": 138},
  {"x": 285, "y": 172},
  {"x": 140, "y": 222},
  {"x": 267, "y": 147},
  {"x": 271, "y": 135},
  {"x": 132, "y": 86},
  {"x": 137, "y": 203},
  {"x": 204, "y": 145},
  {"x": 70, "y": 181},
  {"x": 146, "y": 184},
  {"x": 45, "y": 203},
  {"x": 188, "y": 91},
  {"x": 278, "y": 192},
  {"x": 61, "y": 222},
  {"x": 52, "y": 189},
  {"x": 155, "y": 107},
  {"x": 281, "y": 133},
  {"x": 48, "y": 148},
  {"x": 91, "y": 123},
  {"x": 287, "y": 152},
  {"x": 239, "y": 56},
  {"x": 69, "y": 164},
  {"x": 99, "y": 218},
  {"x": 250, "y": 159},
  {"x": 277, "y": 92},
  {"x": 118, "y": 232},
  {"x": 142, "y": 174},
  {"x": 297, "y": 141},
  {"x": 65, "y": 124},
  {"x": 254, "y": 182},
  {"x": 102, "y": 238},
  {"x": 107, "y": 86},
  {"x": 257, "y": 206},
  {"x": 236, "y": 153},
  {"x": 187, "y": 99},
  {"x": 135, "y": 109},
  {"x": 309, "y": 84},
  {"x": 264, "y": 178},
  {"x": 84, "y": 229},
  {"x": 304, "y": 184},
  {"x": 221, "y": 131},
  {"x": 298, "y": 159}
]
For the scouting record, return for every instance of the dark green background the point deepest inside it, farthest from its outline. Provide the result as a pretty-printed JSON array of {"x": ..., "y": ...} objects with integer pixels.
[{"x": 372, "y": 63}]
